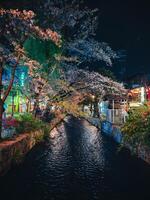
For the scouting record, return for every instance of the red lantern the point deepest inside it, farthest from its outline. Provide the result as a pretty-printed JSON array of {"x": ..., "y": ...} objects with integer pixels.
[{"x": 148, "y": 93}]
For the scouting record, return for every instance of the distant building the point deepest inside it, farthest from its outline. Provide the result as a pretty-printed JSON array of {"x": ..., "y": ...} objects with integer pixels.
[
  {"x": 137, "y": 80},
  {"x": 139, "y": 89},
  {"x": 114, "y": 108}
]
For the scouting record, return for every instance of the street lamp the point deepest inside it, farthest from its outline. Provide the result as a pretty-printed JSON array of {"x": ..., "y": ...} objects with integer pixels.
[{"x": 93, "y": 97}]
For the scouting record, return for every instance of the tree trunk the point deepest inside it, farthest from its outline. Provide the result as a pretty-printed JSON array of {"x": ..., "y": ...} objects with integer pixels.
[
  {"x": 27, "y": 105},
  {"x": 1, "y": 102},
  {"x": 96, "y": 110},
  {"x": 13, "y": 105},
  {"x": 1, "y": 115},
  {"x": 91, "y": 108},
  {"x": 36, "y": 104},
  {"x": 6, "y": 93}
]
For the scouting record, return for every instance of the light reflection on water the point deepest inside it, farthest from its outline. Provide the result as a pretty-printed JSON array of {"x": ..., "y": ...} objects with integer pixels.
[{"x": 78, "y": 162}]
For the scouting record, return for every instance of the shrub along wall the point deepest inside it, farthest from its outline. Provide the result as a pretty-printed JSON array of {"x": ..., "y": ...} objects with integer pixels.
[
  {"x": 134, "y": 135},
  {"x": 136, "y": 132}
]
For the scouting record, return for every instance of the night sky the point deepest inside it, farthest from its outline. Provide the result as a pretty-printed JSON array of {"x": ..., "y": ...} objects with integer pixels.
[{"x": 125, "y": 25}]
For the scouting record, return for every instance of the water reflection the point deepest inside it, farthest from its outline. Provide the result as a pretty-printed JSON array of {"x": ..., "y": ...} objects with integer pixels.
[
  {"x": 77, "y": 163},
  {"x": 58, "y": 141},
  {"x": 93, "y": 147}
]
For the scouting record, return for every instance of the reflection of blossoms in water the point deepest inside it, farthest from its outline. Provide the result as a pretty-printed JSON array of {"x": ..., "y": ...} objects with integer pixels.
[
  {"x": 58, "y": 139},
  {"x": 53, "y": 133},
  {"x": 93, "y": 146}
]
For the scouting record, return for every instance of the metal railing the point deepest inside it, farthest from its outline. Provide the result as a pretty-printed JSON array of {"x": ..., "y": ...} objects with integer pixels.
[{"x": 116, "y": 116}]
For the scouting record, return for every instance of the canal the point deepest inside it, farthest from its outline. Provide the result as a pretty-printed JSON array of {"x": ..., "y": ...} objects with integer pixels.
[{"x": 77, "y": 163}]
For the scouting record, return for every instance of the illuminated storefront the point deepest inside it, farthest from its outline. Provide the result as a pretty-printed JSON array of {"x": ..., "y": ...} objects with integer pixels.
[
  {"x": 17, "y": 101},
  {"x": 137, "y": 96}
]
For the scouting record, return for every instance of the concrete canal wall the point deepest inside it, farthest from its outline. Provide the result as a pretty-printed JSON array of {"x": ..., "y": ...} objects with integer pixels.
[
  {"x": 113, "y": 131},
  {"x": 94, "y": 121}
]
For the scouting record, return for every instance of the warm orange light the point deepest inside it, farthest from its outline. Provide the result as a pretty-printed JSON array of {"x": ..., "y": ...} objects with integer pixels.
[{"x": 93, "y": 97}]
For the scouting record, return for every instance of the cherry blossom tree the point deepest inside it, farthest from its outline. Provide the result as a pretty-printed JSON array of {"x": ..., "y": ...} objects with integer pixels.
[
  {"x": 77, "y": 24},
  {"x": 94, "y": 85},
  {"x": 93, "y": 82},
  {"x": 80, "y": 85},
  {"x": 16, "y": 27}
]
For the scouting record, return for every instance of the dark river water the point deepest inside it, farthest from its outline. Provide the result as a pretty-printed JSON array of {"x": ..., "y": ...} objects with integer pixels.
[{"x": 78, "y": 163}]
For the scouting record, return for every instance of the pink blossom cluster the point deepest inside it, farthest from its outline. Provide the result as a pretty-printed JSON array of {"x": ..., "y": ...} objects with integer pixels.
[
  {"x": 10, "y": 122},
  {"x": 48, "y": 34},
  {"x": 25, "y": 15},
  {"x": 26, "y": 22},
  {"x": 94, "y": 83}
]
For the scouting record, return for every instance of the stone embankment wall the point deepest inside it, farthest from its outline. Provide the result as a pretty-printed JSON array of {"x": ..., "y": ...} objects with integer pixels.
[{"x": 14, "y": 150}]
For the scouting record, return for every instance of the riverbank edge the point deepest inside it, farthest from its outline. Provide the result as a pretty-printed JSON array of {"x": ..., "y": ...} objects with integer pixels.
[
  {"x": 114, "y": 131},
  {"x": 94, "y": 121},
  {"x": 13, "y": 152}
]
